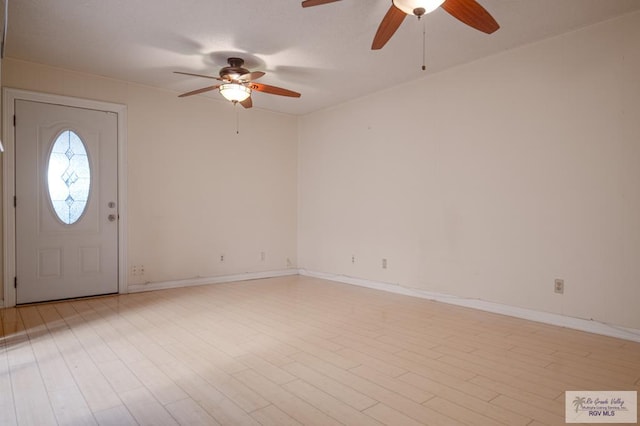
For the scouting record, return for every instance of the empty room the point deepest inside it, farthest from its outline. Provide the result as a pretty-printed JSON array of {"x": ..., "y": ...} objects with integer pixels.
[{"x": 320, "y": 212}]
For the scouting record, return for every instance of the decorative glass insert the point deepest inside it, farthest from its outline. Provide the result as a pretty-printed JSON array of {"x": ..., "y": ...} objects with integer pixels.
[{"x": 69, "y": 177}]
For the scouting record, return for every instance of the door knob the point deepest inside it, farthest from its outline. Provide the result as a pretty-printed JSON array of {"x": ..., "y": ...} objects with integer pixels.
[{"x": 111, "y": 217}]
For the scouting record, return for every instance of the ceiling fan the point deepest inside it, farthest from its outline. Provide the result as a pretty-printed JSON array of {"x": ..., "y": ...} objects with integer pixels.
[
  {"x": 238, "y": 83},
  {"x": 469, "y": 12}
]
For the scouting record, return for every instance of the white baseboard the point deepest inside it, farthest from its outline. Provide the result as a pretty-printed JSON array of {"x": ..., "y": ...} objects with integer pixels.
[
  {"x": 162, "y": 285},
  {"x": 589, "y": 326}
]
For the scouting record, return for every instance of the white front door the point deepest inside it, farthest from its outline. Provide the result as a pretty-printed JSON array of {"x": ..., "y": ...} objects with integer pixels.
[{"x": 66, "y": 202}]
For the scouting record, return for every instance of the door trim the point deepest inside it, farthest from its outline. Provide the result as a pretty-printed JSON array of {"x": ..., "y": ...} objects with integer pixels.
[{"x": 9, "y": 96}]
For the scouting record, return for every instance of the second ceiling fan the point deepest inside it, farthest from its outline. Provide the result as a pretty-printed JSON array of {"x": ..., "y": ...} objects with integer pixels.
[{"x": 469, "y": 12}]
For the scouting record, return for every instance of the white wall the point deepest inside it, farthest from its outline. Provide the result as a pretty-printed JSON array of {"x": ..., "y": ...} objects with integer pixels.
[
  {"x": 489, "y": 180},
  {"x": 196, "y": 189}
]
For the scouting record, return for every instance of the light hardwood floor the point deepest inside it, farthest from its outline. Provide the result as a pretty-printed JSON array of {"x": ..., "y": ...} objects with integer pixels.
[{"x": 290, "y": 351}]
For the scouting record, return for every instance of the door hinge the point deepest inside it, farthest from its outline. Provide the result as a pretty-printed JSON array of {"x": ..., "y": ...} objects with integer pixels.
[
  {"x": 15, "y": 282},
  {"x": 15, "y": 201},
  {"x": 14, "y": 120}
]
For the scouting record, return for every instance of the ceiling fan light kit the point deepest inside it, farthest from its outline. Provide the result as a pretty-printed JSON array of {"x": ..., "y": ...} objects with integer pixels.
[
  {"x": 235, "y": 92},
  {"x": 417, "y": 7}
]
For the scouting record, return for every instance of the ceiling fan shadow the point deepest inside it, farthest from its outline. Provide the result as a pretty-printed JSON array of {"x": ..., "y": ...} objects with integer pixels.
[
  {"x": 175, "y": 43},
  {"x": 219, "y": 59},
  {"x": 297, "y": 74}
]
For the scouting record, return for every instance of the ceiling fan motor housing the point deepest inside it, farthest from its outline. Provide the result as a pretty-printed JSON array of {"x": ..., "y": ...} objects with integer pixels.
[{"x": 234, "y": 70}]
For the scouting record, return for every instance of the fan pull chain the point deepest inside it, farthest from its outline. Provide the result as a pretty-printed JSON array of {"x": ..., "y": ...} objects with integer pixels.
[
  {"x": 424, "y": 44},
  {"x": 235, "y": 106}
]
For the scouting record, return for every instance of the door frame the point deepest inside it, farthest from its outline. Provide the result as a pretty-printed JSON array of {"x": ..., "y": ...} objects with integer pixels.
[{"x": 9, "y": 96}]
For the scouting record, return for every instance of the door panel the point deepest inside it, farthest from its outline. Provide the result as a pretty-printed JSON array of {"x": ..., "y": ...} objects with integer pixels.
[{"x": 65, "y": 248}]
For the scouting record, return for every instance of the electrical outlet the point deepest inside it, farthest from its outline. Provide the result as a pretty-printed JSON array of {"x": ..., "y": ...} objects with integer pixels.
[
  {"x": 222, "y": 258},
  {"x": 137, "y": 270},
  {"x": 353, "y": 258},
  {"x": 558, "y": 286},
  {"x": 384, "y": 263},
  {"x": 263, "y": 256}
]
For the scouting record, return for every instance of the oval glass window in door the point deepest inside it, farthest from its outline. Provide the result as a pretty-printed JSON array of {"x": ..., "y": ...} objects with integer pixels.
[{"x": 69, "y": 177}]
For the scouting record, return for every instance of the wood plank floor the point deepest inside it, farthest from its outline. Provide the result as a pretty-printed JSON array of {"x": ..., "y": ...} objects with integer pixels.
[{"x": 292, "y": 351}]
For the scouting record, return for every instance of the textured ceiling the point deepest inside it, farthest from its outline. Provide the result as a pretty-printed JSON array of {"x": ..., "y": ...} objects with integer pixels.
[{"x": 322, "y": 52}]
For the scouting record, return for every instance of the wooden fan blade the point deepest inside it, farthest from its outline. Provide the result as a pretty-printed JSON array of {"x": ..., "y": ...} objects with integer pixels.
[
  {"x": 388, "y": 27},
  {"x": 247, "y": 103},
  {"x": 309, "y": 3},
  {"x": 471, "y": 13},
  {"x": 273, "y": 90},
  {"x": 198, "y": 75},
  {"x": 250, "y": 76},
  {"x": 195, "y": 92}
]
